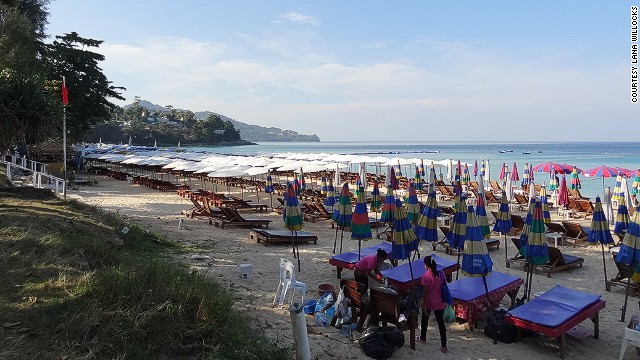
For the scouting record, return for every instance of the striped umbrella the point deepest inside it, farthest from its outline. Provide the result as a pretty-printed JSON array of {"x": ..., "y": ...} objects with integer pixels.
[
  {"x": 623, "y": 193},
  {"x": 481, "y": 214},
  {"x": 617, "y": 190},
  {"x": 553, "y": 180},
  {"x": 459, "y": 170},
  {"x": 296, "y": 186},
  {"x": 376, "y": 199},
  {"x": 359, "y": 186},
  {"x": 421, "y": 167},
  {"x": 531, "y": 172},
  {"x": 393, "y": 180},
  {"x": 268, "y": 188},
  {"x": 388, "y": 207},
  {"x": 600, "y": 232},
  {"x": 293, "y": 219},
  {"x": 548, "y": 166},
  {"x": 629, "y": 252},
  {"x": 635, "y": 186},
  {"x": 526, "y": 178},
  {"x": 427, "y": 223},
  {"x": 330, "y": 199},
  {"x": 602, "y": 171},
  {"x": 360, "y": 226},
  {"x": 524, "y": 235},
  {"x": 483, "y": 168},
  {"x": 503, "y": 172},
  {"x": 343, "y": 218},
  {"x": 546, "y": 215},
  {"x": 303, "y": 184},
  {"x": 514, "y": 173},
  {"x": 536, "y": 251},
  {"x": 323, "y": 185},
  {"x": 458, "y": 230},
  {"x": 417, "y": 182},
  {"x": 475, "y": 168},
  {"x": 413, "y": 207},
  {"x": 575, "y": 179},
  {"x": 404, "y": 239},
  {"x": 503, "y": 222},
  {"x": 475, "y": 257},
  {"x": 622, "y": 219},
  {"x": 563, "y": 193},
  {"x": 466, "y": 177}
]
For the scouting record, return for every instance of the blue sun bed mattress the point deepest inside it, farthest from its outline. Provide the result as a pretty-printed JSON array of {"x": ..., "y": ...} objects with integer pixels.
[
  {"x": 402, "y": 273},
  {"x": 351, "y": 257},
  {"x": 469, "y": 288}
]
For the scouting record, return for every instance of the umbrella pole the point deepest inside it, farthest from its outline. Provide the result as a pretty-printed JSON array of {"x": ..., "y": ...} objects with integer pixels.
[
  {"x": 341, "y": 236},
  {"x": 486, "y": 289},
  {"x": 271, "y": 200},
  {"x": 458, "y": 270},
  {"x": 297, "y": 249},
  {"x": 359, "y": 248},
  {"x": 293, "y": 244},
  {"x": 335, "y": 240},
  {"x": 626, "y": 298},
  {"x": 604, "y": 266},
  {"x": 506, "y": 256}
]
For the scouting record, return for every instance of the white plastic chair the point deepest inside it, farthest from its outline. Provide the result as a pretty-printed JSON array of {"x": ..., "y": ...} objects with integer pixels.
[{"x": 287, "y": 281}]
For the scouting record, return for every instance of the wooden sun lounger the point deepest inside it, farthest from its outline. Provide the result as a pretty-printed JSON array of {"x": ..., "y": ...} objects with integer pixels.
[
  {"x": 620, "y": 280},
  {"x": 576, "y": 233},
  {"x": 559, "y": 262},
  {"x": 243, "y": 204},
  {"x": 282, "y": 237},
  {"x": 233, "y": 218}
]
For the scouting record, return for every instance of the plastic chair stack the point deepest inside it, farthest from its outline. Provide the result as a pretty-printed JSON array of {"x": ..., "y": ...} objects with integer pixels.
[{"x": 288, "y": 281}]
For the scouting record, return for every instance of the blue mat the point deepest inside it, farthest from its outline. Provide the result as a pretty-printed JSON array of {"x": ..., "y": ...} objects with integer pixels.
[
  {"x": 555, "y": 306},
  {"x": 469, "y": 288},
  {"x": 402, "y": 272},
  {"x": 351, "y": 257}
]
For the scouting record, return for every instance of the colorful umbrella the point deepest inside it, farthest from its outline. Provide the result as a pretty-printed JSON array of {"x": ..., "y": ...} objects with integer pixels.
[
  {"x": 553, "y": 181},
  {"x": 548, "y": 166},
  {"x": 427, "y": 223},
  {"x": 404, "y": 239},
  {"x": 330, "y": 200},
  {"x": 546, "y": 216},
  {"x": 293, "y": 219},
  {"x": 607, "y": 206},
  {"x": 563, "y": 193},
  {"x": 376, "y": 199},
  {"x": 514, "y": 173},
  {"x": 360, "y": 226},
  {"x": 524, "y": 235},
  {"x": 393, "y": 179},
  {"x": 600, "y": 232},
  {"x": 575, "y": 179},
  {"x": 617, "y": 190},
  {"x": 526, "y": 178},
  {"x": 503, "y": 221},
  {"x": 268, "y": 188},
  {"x": 388, "y": 207},
  {"x": 343, "y": 218},
  {"x": 483, "y": 168},
  {"x": 421, "y": 167},
  {"x": 536, "y": 252},
  {"x": 602, "y": 171},
  {"x": 475, "y": 168},
  {"x": 503, "y": 171},
  {"x": 458, "y": 230},
  {"x": 635, "y": 186},
  {"x": 303, "y": 184},
  {"x": 622, "y": 219},
  {"x": 359, "y": 187},
  {"x": 413, "y": 207},
  {"x": 623, "y": 193},
  {"x": 296, "y": 186},
  {"x": 475, "y": 256},
  {"x": 531, "y": 172},
  {"x": 417, "y": 182},
  {"x": 481, "y": 213},
  {"x": 466, "y": 177},
  {"x": 323, "y": 185},
  {"x": 629, "y": 252}
]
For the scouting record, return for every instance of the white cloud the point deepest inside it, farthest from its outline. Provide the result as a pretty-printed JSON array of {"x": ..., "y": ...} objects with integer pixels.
[{"x": 298, "y": 18}]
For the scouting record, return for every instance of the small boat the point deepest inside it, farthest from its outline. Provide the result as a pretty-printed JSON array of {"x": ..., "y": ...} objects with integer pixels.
[
  {"x": 539, "y": 151},
  {"x": 526, "y": 152},
  {"x": 505, "y": 151}
]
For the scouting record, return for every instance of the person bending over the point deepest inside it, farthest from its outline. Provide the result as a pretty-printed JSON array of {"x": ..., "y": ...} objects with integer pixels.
[
  {"x": 369, "y": 264},
  {"x": 432, "y": 300}
]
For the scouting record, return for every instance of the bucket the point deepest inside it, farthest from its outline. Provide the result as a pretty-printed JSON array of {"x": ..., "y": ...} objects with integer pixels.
[
  {"x": 326, "y": 289},
  {"x": 310, "y": 307},
  {"x": 244, "y": 271}
]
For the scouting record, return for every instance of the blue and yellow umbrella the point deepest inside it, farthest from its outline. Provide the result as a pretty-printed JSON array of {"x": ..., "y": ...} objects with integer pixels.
[
  {"x": 412, "y": 204},
  {"x": 388, "y": 207},
  {"x": 323, "y": 185},
  {"x": 475, "y": 256},
  {"x": 481, "y": 215},
  {"x": 330, "y": 199},
  {"x": 457, "y": 234},
  {"x": 622, "y": 218},
  {"x": 629, "y": 253},
  {"x": 427, "y": 223},
  {"x": 342, "y": 214},
  {"x": 536, "y": 251},
  {"x": 600, "y": 232},
  {"x": 268, "y": 188},
  {"x": 546, "y": 215},
  {"x": 360, "y": 226},
  {"x": 503, "y": 222},
  {"x": 376, "y": 199},
  {"x": 293, "y": 219}
]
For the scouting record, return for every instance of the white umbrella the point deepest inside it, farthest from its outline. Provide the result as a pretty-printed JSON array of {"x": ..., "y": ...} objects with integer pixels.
[
  {"x": 508, "y": 188},
  {"x": 532, "y": 191},
  {"x": 607, "y": 206},
  {"x": 487, "y": 174},
  {"x": 257, "y": 170},
  {"x": 224, "y": 173},
  {"x": 624, "y": 189}
]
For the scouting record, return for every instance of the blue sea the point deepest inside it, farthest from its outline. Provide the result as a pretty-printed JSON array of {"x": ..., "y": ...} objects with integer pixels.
[{"x": 584, "y": 155}]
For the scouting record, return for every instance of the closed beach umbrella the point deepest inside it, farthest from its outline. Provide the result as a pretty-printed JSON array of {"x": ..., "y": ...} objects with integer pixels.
[
  {"x": 635, "y": 186},
  {"x": 514, "y": 173},
  {"x": 600, "y": 232},
  {"x": 536, "y": 252},
  {"x": 359, "y": 187},
  {"x": 360, "y": 226},
  {"x": 508, "y": 188},
  {"x": 421, "y": 168},
  {"x": 293, "y": 219},
  {"x": 404, "y": 239},
  {"x": 526, "y": 178},
  {"x": 483, "y": 168},
  {"x": 503, "y": 222},
  {"x": 330, "y": 199},
  {"x": 417, "y": 182},
  {"x": 296, "y": 186},
  {"x": 622, "y": 219},
  {"x": 475, "y": 256},
  {"x": 532, "y": 190},
  {"x": 563, "y": 193},
  {"x": 575, "y": 179},
  {"x": 344, "y": 214},
  {"x": 617, "y": 190},
  {"x": 602, "y": 171},
  {"x": 623, "y": 193},
  {"x": 388, "y": 207},
  {"x": 393, "y": 179},
  {"x": 481, "y": 215},
  {"x": 268, "y": 188},
  {"x": 607, "y": 206},
  {"x": 546, "y": 216},
  {"x": 629, "y": 253},
  {"x": 323, "y": 185},
  {"x": 503, "y": 172},
  {"x": 376, "y": 199},
  {"x": 524, "y": 235},
  {"x": 487, "y": 175},
  {"x": 336, "y": 176},
  {"x": 466, "y": 177},
  {"x": 458, "y": 230},
  {"x": 413, "y": 207},
  {"x": 531, "y": 172},
  {"x": 475, "y": 168},
  {"x": 553, "y": 180},
  {"x": 303, "y": 184},
  {"x": 427, "y": 223}
]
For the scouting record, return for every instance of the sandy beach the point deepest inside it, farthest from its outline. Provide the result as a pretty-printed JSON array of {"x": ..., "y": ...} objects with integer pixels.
[{"x": 218, "y": 252}]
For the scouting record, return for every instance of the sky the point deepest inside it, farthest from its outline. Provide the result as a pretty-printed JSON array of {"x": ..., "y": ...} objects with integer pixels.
[{"x": 412, "y": 70}]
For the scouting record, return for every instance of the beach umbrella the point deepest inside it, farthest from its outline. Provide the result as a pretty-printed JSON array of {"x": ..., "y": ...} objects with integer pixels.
[
  {"x": 323, "y": 185},
  {"x": 526, "y": 178},
  {"x": 503, "y": 222},
  {"x": 422, "y": 172},
  {"x": 575, "y": 179},
  {"x": 466, "y": 177},
  {"x": 514, "y": 173},
  {"x": 487, "y": 174},
  {"x": 296, "y": 186},
  {"x": 458, "y": 230},
  {"x": 413, "y": 207},
  {"x": 336, "y": 176},
  {"x": 600, "y": 232},
  {"x": 602, "y": 171},
  {"x": 503, "y": 172},
  {"x": 548, "y": 166},
  {"x": 404, "y": 239},
  {"x": 623, "y": 193},
  {"x": 293, "y": 219},
  {"x": 483, "y": 168},
  {"x": 553, "y": 180},
  {"x": 536, "y": 251},
  {"x": 343, "y": 217},
  {"x": 359, "y": 187},
  {"x": 607, "y": 206},
  {"x": 481, "y": 213},
  {"x": 563, "y": 193},
  {"x": 475, "y": 168},
  {"x": 629, "y": 253},
  {"x": 635, "y": 186},
  {"x": 531, "y": 172},
  {"x": 617, "y": 190},
  {"x": 524, "y": 235},
  {"x": 427, "y": 223},
  {"x": 546, "y": 215},
  {"x": 508, "y": 188},
  {"x": 303, "y": 184},
  {"x": 532, "y": 190},
  {"x": 417, "y": 182},
  {"x": 393, "y": 179},
  {"x": 388, "y": 207},
  {"x": 622, "y": 218},
  {"x": 360, "y": 226},
  {"x": 476, "y": 260},
  {"x": 330, "y": 199},
  {"x": 432, "y": 174},
  {"x": 376, "y": 201},
  {"x": 268, "y": 188}
]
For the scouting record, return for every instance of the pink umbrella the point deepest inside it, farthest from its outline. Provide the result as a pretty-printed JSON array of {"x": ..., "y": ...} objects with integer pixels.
[
  {"x": 514, "y": 173},
  {"x": 502, "y": 171},
  {"x": 563, "y": 193},
  {"x": 475, "y": 168},
  {"x": 548, "y": 166}
]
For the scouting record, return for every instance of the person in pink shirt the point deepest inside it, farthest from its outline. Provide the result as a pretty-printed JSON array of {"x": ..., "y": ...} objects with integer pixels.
[
  {"x": 368, "y": 264},
  {"x": 432, "y": 300}
]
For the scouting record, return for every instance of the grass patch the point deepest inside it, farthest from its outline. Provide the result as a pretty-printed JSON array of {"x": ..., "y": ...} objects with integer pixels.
[{"x": 74, "y": 285}]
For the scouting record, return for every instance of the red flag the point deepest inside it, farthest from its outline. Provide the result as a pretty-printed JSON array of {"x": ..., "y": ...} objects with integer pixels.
[{"x": 65, "y": 94}]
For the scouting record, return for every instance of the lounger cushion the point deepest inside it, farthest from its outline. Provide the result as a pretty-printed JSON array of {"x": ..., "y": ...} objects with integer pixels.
[
  {"x": 402, "y": 273},
  {"x": 352, "y": 256},
  {"x": 469, "y": 288},
  {"x": 568, "y": 259}
]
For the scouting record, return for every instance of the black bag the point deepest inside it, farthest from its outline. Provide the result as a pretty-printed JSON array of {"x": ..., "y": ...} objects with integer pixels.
[
  {"x": 498, "y": 329},
  {"x": 380, "y": 342}
]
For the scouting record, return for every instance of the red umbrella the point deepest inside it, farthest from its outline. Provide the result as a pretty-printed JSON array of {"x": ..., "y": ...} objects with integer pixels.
[
  {"x": 514, "y": 173},
  {"x": 546, "y": 167},
  {"x": 502, "y": 171},
  {"x": 625, "y": 172},
  {"x": 602, "y": 171},
  {"x": 563, "y": 193}
]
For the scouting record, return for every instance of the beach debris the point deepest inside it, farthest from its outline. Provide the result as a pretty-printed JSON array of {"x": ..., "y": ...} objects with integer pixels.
[{"x": 125, "y": 230}]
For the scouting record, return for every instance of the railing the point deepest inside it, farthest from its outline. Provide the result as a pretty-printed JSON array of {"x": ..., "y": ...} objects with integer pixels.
[{"x": 40, "y": 179}]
